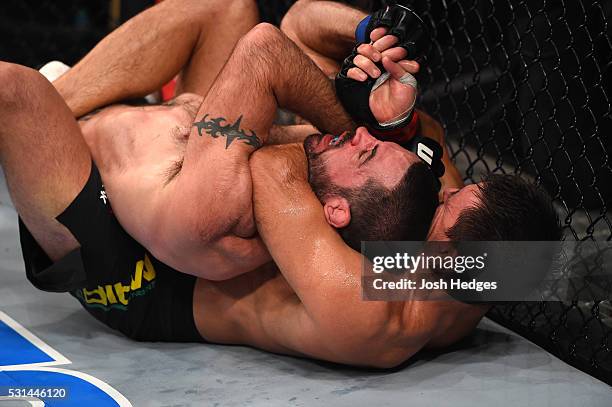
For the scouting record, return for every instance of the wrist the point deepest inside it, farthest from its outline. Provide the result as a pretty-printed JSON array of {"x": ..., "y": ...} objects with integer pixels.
[
  {"x": 408, "y": 132},
  {"x": 402, "y": 135},
  {"x": 70, "y": 96}
]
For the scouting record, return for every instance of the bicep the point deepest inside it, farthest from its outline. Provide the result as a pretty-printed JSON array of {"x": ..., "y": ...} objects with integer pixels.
[
  {"x": 193, "y": 221},
  {"x": 260, "y": 309},
  {"x": 291, "y": 222},
  {"x": 322, "y": 270}
]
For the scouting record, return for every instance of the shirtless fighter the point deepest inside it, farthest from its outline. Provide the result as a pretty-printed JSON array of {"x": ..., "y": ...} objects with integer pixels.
[
  {"x": 491, "y": 210},
  {"x": 320, "y": 314},
  {"x": 177, "y": 176},
  {"x": 315, "y": 307}
]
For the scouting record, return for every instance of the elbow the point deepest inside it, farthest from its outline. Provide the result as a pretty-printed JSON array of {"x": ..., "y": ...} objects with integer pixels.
[
  {"x": 389, "y": 359},
  {"x": 377, "y": 353},
  {"x": 372, "y": 340}
]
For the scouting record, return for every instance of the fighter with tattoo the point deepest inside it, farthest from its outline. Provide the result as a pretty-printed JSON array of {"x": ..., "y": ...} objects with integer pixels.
[
  {"x": 113, "y": 206},
  {"x": 201, "y": 221},
  {"x": 214, "y": 128}
]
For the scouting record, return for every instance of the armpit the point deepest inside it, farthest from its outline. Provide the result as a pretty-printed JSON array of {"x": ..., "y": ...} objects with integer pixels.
[{"x": 174, "y": 170}]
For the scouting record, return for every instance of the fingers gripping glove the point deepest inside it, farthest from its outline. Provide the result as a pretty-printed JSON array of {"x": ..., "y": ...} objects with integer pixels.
[{"x": 355, "y": 96}]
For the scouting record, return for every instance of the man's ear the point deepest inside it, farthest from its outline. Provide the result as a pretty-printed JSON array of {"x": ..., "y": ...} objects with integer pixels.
[{"x": 337, "y": 211}]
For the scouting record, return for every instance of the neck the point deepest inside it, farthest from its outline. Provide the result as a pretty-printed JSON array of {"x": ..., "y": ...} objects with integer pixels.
[{"x": 437, "y": 230}]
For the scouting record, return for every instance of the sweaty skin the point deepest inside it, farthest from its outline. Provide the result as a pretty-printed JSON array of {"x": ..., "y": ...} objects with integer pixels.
[
  {"x": 178, "y": 176},
  {"x": 139, "y": 150},
  {"x": 324, "y": 30},
  {"x": 186, "y": 198},
  {"x": 261, "y": 308},
  {"x": 315, "y": 308},
  {"x": 321, "y": 313}
]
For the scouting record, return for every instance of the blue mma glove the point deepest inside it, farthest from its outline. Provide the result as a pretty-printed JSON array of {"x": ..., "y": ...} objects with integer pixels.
[{"x": 400, "y": 21}]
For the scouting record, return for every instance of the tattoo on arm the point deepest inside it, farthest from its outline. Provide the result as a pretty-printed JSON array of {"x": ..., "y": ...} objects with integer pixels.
[{"x": 214, "y": 128}]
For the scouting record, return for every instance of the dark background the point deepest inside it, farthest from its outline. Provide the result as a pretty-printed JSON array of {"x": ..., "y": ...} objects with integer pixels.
[{"x": 519, "y": 86}]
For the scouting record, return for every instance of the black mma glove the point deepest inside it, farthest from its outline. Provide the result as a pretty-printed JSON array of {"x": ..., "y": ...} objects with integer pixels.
[{"x": 354, "y": 96}]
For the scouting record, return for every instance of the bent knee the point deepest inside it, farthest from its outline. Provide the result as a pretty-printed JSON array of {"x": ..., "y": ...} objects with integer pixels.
[
  {"x": 17, "y": 82},
  {"x": 262, "y": 38},
  {"x": 12, "y": 76}
]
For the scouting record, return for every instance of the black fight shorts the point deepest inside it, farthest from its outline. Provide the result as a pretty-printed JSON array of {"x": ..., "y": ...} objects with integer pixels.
[{"x": 112, "y": 275}]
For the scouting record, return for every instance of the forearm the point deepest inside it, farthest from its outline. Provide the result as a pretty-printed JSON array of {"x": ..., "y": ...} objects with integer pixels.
[
  {"x": 132, "y": 61},
  {"x": 323, "y": 29},
  {"x": 322, "y": 270},
  {"x": 256, "y": 83},
  {"x": 303, "y": 89},
  {"x": 260, "y": 309}
]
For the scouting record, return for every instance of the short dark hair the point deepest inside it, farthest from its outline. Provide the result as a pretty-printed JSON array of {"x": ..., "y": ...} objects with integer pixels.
[
  {"x": 511, "y": 209},
  {"x": 377, "y": 213}
]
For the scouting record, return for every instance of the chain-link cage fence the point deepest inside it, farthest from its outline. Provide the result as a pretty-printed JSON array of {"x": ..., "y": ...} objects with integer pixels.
[
  {"x": 35, "y": 32},
  {"x": 521, "y": 86},
  {"x": 524, "y": 87}
]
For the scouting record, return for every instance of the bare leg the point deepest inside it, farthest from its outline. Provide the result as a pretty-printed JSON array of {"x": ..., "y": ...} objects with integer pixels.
[
  {"x": 219, "y": 33},
  {"x": 151, "y": 48},
  {"x": 324, "y": 30},
  {"x": 42, "y": 153}
]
